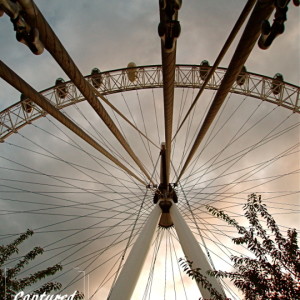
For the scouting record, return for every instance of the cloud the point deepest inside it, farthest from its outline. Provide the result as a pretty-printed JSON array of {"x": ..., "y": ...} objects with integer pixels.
[{"x": 102, "y": 207}]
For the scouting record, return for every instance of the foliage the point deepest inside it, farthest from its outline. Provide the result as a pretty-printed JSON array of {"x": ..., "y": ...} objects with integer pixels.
[
  {"x": 11, "y": 284},
  {"x": 200, "y": 278},
  {"x": 274, "y": 273}
]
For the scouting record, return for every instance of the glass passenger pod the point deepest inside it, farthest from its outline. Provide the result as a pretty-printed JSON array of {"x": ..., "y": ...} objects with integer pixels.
[
  {"x": 240, "y": 80},
  {"x": 277, "y": 83},
  {"x": 26, "y": 103},
  {"x": 204, "y": 69},
  {"x": 96, "y": 78},
  {"x": 61, "y": 88}
]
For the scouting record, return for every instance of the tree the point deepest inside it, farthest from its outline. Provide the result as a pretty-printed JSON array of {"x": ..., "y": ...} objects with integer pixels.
[
  {"x": 11, "y": 284},
  {"x": 274, "y": 273}
]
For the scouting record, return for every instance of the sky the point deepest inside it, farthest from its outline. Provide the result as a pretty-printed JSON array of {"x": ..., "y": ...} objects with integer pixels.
[{"x": 50, "y": 174}]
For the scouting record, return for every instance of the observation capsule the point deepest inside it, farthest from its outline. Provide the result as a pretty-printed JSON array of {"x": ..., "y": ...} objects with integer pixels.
[
  {"x": 204, "y": 69},
  {"x": 240, "y": 80},
  {"x": 277, "y": 84},
  {"x": 27, "y": 104},
  {"x": 132, "y": 72},
  {"x": 61, "y": 88},
  {"x": 96, "y": 78}
]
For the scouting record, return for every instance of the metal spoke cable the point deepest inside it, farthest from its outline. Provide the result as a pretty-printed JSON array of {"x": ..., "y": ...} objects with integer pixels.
[
  {"x": 71, "y": 247},
  {"x": 112, "y": 151},
  {"x": 250, "y": 167},
  {"x": 196, "y": 160},
  {"x": 115, "y": 110},
  {"x": 96, "y": 159},
  {"x": 157, "y": 244},
  {"x": 140, "y": 135},
  {"x": 266, "y": 139},
  {"x": 76, "y": 187},
  {"x": 156, "y": 117},
  {"x": 261, "y": 12},
  {"x": 149, "y": 152},
  {"x": 173, "y": 250},
  {"x": 17, "y": 82},
  {"x": 104, "y": 141},
  {"x": 187, "y": 145},
  {"x": 128, "y": 241},
  {"x": 121, "y": 181},
  {"x": 172, "y": 263},
  {"x": 250, "y": 174},
  {"x": 242, "y": 18},
  {"x": 62, "y": 57}
]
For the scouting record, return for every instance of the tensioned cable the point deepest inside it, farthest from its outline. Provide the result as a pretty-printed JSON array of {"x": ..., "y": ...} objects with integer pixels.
[
  {"x": 76, "y": 145},
  {"x": 134, "y": 122},
  {"x": 121, "y": 181},
  {"x": 249, "y": 175},
  {"x": 62, "y": 57},
  {"x": 72, "y": 246},
  {"x": 95, "y": 194},
  {"x": 91, "y": 263},
  {"x": 187, "y": 136},
  {"x": 124, "y": 118},
  {"x": 242, "y": 18},
  {"x": 96, "y": 254},
  {"x": 209, "y": 139},
  {"x": 118, "y": 154},
  {"x": 128, "y": 242},
  {"x": 111, "y": 277},
  {"x": 251, "y": 167},
  {"x": 198, "y": 229},
  {"x": 156, "y": 117},
  {"x": 96, "y": 159},
  {"x": 103, "y": 139},
  {"x": 145, "y": 129},
  {"x": 177, "y": 260},
  {"x": 261, "y": 12},
  {"x": 172, "y": 263},
  {"x": 157, "y": 244},
  {"x": 14, "y": 80},
  {"x": 189, "y": 125},
  {"x": 64, "y": 177},
  {"x": 268, "y": 137},
  {"x": 238, "y": 155}
]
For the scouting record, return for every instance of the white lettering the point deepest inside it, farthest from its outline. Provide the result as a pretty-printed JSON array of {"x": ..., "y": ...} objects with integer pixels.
[
  {"x": 21, "y": 294},
  {"x": 44, "y": 296},
  {"x": 71, "y": 297}
]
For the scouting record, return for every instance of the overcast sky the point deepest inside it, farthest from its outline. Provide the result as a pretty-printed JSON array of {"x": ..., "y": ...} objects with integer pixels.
[{"x": 109, "y": 35}]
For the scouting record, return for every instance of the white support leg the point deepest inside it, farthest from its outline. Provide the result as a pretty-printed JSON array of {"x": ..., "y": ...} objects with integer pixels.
[
  {"x": 193, "y": 251},
  {"x": 130, "y": 273}
]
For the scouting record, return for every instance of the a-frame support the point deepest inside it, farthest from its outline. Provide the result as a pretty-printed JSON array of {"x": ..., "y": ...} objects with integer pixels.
[
  {"x": 166, "y": 214},
  {"x": 131, "y": 270}
]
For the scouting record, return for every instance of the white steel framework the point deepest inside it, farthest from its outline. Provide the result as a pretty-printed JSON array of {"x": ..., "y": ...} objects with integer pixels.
[{"x": 115, "y": 81}]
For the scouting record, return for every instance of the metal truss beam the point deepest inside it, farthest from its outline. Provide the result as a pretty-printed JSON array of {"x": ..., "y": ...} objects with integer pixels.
[
  {"x": 257, "y": 86},
  {"x": 261, "y": 12},
  {"x": 242, "y": 18},
  {"x": 13, "y": 79},
  {"x": 34, "y": 18}
]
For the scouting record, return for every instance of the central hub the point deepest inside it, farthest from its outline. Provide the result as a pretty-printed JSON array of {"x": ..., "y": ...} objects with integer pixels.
[
  {"x": 165, "y": 219},
  {"x": 165, "y": 194}
]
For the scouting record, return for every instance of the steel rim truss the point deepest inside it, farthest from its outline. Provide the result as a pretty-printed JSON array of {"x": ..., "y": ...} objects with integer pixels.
[{"x": 256, "y": 86}]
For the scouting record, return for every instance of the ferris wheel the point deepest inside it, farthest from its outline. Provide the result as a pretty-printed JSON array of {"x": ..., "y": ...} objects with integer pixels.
[{"x": 114, "y": 170}]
